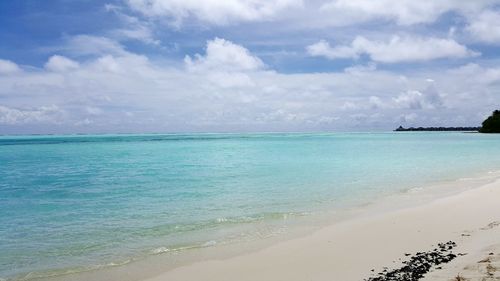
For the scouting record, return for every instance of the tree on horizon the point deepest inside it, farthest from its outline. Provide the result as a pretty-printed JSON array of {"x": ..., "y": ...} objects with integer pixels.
[{"x": 492, "y": 123}]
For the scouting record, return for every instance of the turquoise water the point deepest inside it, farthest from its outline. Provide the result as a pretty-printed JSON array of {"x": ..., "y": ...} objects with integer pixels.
[{"x": 79, "y": 202}]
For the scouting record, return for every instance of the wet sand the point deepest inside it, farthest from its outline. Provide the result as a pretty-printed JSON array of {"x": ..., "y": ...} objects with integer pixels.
[{"x": 367, "y": 246}]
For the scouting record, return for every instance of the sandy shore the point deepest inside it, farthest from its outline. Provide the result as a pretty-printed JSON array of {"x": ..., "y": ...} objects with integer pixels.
[{"x": 359, "y": 248}]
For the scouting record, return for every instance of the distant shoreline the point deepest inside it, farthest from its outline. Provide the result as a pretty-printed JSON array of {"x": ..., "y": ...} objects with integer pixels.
[{"x": 438, "y": 129}]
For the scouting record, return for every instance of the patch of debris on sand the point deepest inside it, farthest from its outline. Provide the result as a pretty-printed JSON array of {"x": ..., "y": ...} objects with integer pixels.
[{"x": 418, "y": 265}]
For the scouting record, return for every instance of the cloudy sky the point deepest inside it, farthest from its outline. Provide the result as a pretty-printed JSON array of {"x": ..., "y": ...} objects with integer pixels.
[{"x": 91, "y": 66}]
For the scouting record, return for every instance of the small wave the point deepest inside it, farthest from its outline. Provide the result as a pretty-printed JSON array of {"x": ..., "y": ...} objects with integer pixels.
[
  {"x": 174, "y": 249},
  {"x": 258, "y": 217},
  {"x": 467, "y": 179},
  {"x": 54, "y": 273},
  {"x": 414, "y": 190},
  {"x": 119, "y": 263},
  {"x": 160, "y": 250},
  {"x": 210, "y": 243},
  {"x": 163, "y": 250}
]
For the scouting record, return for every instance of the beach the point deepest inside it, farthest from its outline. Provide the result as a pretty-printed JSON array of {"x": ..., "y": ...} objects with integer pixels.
[
  {"x": 344, "y": 206},
  {"x": 249, "y": 140},
  {"x": 352, "y": 249},
  {"x": 373, "y": 242}
]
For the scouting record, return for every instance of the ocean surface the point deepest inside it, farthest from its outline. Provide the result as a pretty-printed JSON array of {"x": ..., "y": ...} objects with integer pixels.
[{"x": 74, "y": 203}]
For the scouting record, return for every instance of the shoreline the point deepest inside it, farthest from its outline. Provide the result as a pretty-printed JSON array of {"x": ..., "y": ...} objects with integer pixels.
[
  {"x": 350, "y": 250},
  {"x": 230, "y": 262}
]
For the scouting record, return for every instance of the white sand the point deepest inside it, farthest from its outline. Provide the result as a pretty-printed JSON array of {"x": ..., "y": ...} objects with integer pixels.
[{"x": 349, "y": 250}]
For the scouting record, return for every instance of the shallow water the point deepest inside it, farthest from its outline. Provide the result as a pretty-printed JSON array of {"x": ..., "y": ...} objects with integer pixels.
[{"x": 73, "y": 203}]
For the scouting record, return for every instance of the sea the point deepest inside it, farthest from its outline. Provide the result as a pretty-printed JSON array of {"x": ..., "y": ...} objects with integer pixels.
[{"x": 75, "y": 203}]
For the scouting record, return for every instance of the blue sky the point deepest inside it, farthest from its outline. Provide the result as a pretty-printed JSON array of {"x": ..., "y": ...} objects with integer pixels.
[{"x": 86, "y": 66}]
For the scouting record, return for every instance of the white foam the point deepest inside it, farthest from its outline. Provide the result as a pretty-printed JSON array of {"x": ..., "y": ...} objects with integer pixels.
[
  {"x": 415, "y": 189},
  {"x": 118, "y": 263},
  {"x": 160, "y": 250},
  {"x": 209, "y": 243}
]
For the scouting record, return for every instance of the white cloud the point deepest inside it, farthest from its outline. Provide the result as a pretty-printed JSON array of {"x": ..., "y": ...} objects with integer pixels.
[
  {"x": 485, "y": 27},
  {"x": 408, "y": 118},
  {"x": 428, "y": 99},
  {"x": 44, "y": 114},
  {"x": 8, "y": 67},
  {"x": 414, "y": 99},
  {"x": 403, "y": 12},
  {"x": 323, "y": 48},
  {"x": 219, "y": 12},
  {"x": 398, "y": 49},
  {"x": 224, "y": 55},
  {"x": 349, "y": 106},
  {"x": 84, "y": 122},
  {"x": 58, "y": 63},
  {"x": 411, "y": 100},
  {"x": 139, "y": 32},
  {"x": 107, "y": 63},
  {"x": 133, "y": 27},
  {"x": 475, "y": 72},
  {"x": 82, "y": 45},
  {"x": 91, "y": 110},
  {"x": 225, "y": 64},
  {"x": 375, "y": 102},
  {"x": 303, "y": 13},
  {"x": 229, "y": 89}
]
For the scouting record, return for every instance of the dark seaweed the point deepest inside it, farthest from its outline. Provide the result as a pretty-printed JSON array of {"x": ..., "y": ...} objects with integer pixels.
[{"x": 419, "y": 264}]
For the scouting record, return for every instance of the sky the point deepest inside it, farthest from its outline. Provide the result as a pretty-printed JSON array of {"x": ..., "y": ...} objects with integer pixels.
[{"x": 160, "y": 66}]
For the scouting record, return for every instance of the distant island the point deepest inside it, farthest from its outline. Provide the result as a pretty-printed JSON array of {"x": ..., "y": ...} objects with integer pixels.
[
  {"x": 436, "y": 129},
  {"x": 492, "y": 123}
]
